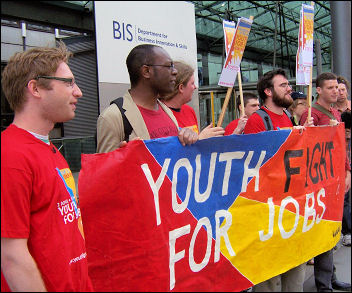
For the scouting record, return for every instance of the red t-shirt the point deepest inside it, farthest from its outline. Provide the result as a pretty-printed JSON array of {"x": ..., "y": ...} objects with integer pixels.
[
  {"x": 159, "y": 124},
  {"x": 230, "y": 128},
  {"x": 255, "y": 123},
  {"x": 319, "y": 117},
  {"x": 186, "y": 117},
  {"x": 39, "y": 203}
]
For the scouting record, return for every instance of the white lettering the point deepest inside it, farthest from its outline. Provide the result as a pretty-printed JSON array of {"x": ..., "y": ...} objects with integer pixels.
[
  {"x": 222, "y": 232},
  {"x": 263, "y": 237},
  {"x": 179, "y": 208},
  {"x": 252, "y": 172},
  {"x": 202, "y": 197},
  {"x": 155, "y": 186},
  {"x": 284, "y": 203},
  {"x": 228, "y": 157},
  {"x": 308, "y": 211},
  {"x": 195, "y": 267},
  {"x": 321, "y": 204},
  {"x": 174, "y": 257}
]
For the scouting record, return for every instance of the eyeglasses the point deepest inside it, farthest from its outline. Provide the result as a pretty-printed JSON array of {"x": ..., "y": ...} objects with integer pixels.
[
  {"x": 70, "y": 81},
  {"x": 285, "y": 85},
  {"x": 171, "y": 66}
]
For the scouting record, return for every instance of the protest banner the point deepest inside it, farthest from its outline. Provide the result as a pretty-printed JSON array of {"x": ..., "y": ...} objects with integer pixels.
[
  {"x": 220, "y": 215},
  {"x": 302, "y": 72},
  {"x": 229, "y": 31},
  {"x": 304, "y": 56},
  {"x": 233, "y": 60},
  {"x": 234, "y": 56}
]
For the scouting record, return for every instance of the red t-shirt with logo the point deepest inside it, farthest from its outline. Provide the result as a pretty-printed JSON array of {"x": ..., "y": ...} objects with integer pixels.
[
  {"x": 255, "y": 123},
  {"x": 39, "y": 203},
  {"x": 159, "y": 124},
  {"x": 186, "y": 117}
]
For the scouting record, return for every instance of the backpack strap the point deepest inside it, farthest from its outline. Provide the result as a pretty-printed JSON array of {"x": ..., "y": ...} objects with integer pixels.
[
  {"x": 127, "y": 127},
  {"x": 266, "y": 119},
  {"x": 290, "y": 116},
  {"x": 323, "y": 110}
]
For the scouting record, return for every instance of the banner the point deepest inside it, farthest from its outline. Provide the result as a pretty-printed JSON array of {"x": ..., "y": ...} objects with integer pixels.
[
  {"x": 307, "y": 34},
  {"x": 229, "y": 31},
  {"x": 234, "y": 56},
  {"x": 220, "y": 215},
  {"x": 123, "y": 25},
  {"x": 304, "y": 56}
]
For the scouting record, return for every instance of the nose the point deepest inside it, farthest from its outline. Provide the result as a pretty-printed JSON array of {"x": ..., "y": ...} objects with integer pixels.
[
  {"x": 174, "y": 71},
  {"x": 77, "y": 91}
]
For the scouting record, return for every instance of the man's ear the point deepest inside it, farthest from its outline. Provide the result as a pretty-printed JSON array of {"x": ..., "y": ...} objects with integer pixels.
[
  {"x": 181, "y": 88},
  {"x": 318, "y": 89},
  {"x": 32, "y": 87},
  {"x": 145, "y": 71},
  {"x": 268, "y": 92}
]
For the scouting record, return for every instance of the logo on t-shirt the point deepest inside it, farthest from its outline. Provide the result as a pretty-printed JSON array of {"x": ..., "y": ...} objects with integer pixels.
[{"x": 68, "y": 208}]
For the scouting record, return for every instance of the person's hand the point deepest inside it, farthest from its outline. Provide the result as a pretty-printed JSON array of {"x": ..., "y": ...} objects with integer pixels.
[
  {"x": 333, "y": 122},
  {"x": 241, "y": 124},
  {"x": 187, "y": 136},
  {"x": 211, "y": 131},
  {"x": 309, "y": 122},
  {"x": 348, "y": 181},
  {"x": 124, "y": 143}
]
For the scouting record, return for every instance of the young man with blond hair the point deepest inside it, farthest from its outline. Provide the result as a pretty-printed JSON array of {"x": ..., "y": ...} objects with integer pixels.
[{"x": 42, "y": 240}]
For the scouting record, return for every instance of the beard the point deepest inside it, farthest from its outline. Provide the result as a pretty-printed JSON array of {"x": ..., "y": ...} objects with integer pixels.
[{"x": 281, "y": 102}]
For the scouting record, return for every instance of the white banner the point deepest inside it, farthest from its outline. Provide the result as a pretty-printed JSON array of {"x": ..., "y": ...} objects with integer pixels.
[
  {"x": 122, "y": 25},
  {"x": 304, "y": 56},
  {"x": 234, "y": 57}
]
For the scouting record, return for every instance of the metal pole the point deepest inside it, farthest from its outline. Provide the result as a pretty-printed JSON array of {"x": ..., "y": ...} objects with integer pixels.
[
  {"x": 275, "y": 34},
  {"x": 24, "y": 35},
  {"x": 341, "y": 37},
  {"x": 318, "y": 56},
  {"x": 281, "y": 44}
]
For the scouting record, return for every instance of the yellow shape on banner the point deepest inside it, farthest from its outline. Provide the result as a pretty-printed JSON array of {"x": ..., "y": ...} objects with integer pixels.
[{"x": 260, "y": 260}]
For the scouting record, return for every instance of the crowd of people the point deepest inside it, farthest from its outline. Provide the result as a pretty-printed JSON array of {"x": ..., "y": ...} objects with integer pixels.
[{"x": 42, "y": 246}]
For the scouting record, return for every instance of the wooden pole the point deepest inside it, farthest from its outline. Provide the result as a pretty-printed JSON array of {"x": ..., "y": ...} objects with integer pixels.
[
  {"x": 235, "y": 103},
  {"x": 241, "y": 93},
  {"x": 310, "y": 94},
  {"x": 224, "y": 106},
  {"x": 212, "y": 108}
]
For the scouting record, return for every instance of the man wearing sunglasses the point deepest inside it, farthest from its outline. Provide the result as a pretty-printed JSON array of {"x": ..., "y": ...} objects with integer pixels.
[
  {"x": 42, "y": 241},
  {"x": 152, "y": 75}
]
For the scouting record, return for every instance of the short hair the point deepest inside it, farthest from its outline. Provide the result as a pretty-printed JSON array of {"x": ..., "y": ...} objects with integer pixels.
[
  {"x": 246, "y": 97},
  {"x": 139, "y": 56},
  {"x": 266, "y": 81},
  {"x": 184, "y": 73},
  {"x": 25, "y": 66},
  {"x": 295, "y": 104},
  {"x": 341, "y": 79},
  {"x": 319, "y": 82},
  {"x": 346, "y": 118}
]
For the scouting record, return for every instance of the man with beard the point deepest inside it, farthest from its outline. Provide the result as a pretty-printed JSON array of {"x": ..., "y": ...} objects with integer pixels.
[
  {"x": 275, "y": 90},
  {"x": 324, "y": 114},
  {"x": 152, "y": 75}
]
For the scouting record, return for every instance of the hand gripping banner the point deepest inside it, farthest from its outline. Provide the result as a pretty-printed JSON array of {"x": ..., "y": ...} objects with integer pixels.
[{"x": 220, "y": 215}]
